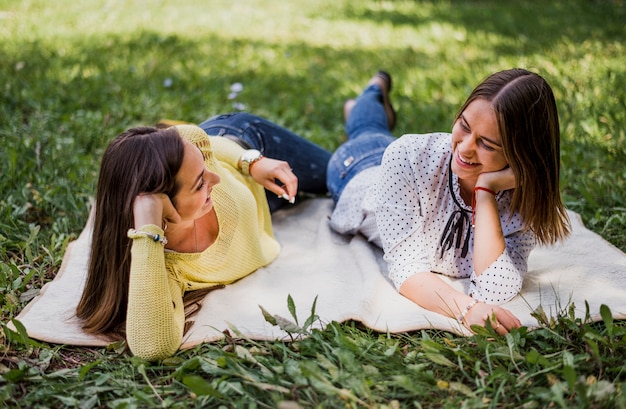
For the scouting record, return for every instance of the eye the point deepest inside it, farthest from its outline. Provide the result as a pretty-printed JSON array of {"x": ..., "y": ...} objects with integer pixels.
[
  {"x": 464, "y": 126},
  {"x": 201, "y": 184},
  {"x": 486, "y": 146}
]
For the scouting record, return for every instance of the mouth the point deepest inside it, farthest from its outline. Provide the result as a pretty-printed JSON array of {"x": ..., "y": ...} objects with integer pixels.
[{"x": 464, "y": 161}]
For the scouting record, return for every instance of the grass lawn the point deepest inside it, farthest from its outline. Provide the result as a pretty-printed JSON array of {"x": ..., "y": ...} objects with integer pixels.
[{"x": 73, "y": 74}]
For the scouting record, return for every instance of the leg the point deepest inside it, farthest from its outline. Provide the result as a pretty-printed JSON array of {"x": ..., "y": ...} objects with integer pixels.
[
  {"x": 353, "y": 157},
  {"x": 368, "y": 120},
  {"x": 372, "y": 110},
  {"x": 307, "y": 160}
]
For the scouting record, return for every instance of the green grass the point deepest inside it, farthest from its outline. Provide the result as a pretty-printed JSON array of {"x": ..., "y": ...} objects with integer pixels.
[{"x": 73, "y": 74}]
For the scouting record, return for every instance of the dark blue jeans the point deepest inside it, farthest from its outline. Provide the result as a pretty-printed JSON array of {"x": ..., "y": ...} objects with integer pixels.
[
  {"x": 308, "y": 161},
  {"x": 368, "y": 136}
]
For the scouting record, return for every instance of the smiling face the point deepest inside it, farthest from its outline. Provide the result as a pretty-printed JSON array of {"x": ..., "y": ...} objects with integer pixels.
[
  {"x": 193, "y": 199},
  {"x": 476, "y": 143}
]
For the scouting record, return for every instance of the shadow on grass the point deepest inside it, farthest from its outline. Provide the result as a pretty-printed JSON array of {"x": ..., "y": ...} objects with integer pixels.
[{"x": 534, "y": 25}]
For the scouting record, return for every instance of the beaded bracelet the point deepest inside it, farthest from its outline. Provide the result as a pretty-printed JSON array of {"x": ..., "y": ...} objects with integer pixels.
[
  {"x": 466, "y": 310},
  {"x": 153, "y": 236}
]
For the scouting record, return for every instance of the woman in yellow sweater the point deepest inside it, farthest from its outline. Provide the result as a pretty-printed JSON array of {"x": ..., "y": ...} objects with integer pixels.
[{"x": 177, "y": 211}]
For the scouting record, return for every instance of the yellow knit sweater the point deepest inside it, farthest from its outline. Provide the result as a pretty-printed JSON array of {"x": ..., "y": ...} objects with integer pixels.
[{"x": 158, "y": 279}]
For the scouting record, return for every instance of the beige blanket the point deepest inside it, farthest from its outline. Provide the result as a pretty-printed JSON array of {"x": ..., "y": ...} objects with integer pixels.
[{"x": 347, "y": 275}]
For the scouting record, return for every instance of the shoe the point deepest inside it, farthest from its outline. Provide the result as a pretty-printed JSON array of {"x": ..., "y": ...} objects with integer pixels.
[{"x": 383, "y": 80}]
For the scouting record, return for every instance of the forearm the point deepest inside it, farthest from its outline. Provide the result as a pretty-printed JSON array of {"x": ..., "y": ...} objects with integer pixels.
[
  {"x": 488, "y": 237},
  {"x": 153, "y": 327},
  {"x": 429, "y": 291}
]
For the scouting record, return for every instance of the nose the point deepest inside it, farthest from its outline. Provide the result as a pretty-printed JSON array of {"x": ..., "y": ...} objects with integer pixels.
[
  {"x": 213, "y": 178},
  {"x": 468, "y": 142},
  {"x": 466, "y": 148}
]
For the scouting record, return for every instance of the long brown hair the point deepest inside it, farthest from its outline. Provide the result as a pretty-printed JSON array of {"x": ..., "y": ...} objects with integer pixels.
[
  {"x": 528, "y": 122},
  {"x": 140, "y": 160}
]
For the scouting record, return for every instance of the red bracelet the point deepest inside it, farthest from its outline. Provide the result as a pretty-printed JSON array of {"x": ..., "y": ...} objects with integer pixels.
[
  {"x": 476, "y": 189},
  {"x": 485, "y": 189}
]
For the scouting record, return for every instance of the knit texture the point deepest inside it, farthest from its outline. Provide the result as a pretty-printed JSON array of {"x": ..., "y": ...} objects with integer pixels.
[{"x": 158, "y": 279}]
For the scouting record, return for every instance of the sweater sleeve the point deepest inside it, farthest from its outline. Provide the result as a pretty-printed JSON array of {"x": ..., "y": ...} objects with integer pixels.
[
  {"x": 226, "y": 151},
  {"x": 155, "y": 316}
]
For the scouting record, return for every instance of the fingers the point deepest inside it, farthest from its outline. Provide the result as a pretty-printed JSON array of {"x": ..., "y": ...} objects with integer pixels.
[
  {"x": 502, "y": 321},
  {"x": 290, "y": 183},
  {"x": 282, "y": 189},
  {"x": 495, "y": 324},
  {"x": 503, "y": 179},
  {"x": 498, "y": 318},
  {"x": 153, "y": 208},
  {"x": 277, "y": 177}
]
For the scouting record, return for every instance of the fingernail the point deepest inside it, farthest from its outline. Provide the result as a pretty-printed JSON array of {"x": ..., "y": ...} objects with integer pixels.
[
  {"x": 292, "y": 200},
  {"x": 286, "y": 197}
]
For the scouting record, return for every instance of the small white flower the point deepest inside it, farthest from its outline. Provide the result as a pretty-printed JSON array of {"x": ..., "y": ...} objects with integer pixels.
[
  {"x": 236, "y": 87},
  {"x": 232, "y": 95},
  {"x": 168, "y": 82},
  {"x": 239, "y": 106}
]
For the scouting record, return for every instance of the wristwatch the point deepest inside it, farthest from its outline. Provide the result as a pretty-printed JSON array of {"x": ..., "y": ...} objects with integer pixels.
[{"x": 247, "y": 159}]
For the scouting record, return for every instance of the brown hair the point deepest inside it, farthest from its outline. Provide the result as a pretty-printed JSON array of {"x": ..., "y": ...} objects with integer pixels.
[
  {"x": 529, "y": 127},
  {"x": 140, "y": 160}
]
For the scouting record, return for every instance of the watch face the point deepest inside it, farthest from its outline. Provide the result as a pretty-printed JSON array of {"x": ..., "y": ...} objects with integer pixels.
[{"x": 250, "y": 155}]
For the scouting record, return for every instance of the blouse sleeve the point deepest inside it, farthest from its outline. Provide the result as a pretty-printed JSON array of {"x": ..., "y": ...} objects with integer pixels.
[
  {"x": 399, "y": 216},
  {"x": 155, "y": 317},
  {"x": 503, "y": 279}
]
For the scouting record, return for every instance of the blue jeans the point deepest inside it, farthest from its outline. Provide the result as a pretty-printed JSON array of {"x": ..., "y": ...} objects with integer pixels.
[
  {"x": 307, "y": 160},
  {"x": 368, "y": 136}
]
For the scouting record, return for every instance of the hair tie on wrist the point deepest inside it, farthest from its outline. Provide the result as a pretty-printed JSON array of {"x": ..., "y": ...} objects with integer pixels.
[
  {"x": 476, "y": 189},
  {"x": 466, "y": 310},
  {"x": 132, "y": 233}
]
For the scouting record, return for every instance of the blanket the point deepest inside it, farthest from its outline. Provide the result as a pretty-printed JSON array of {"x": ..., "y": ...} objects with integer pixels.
[{"x": 341, "y": 278}]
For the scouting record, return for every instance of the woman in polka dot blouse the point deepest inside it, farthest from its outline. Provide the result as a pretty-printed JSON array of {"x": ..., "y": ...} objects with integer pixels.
[{"x": 468, "y": 204}]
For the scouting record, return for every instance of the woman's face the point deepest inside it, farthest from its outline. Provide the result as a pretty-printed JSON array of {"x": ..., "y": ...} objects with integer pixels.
[
  {"x": 476, "y": 142},
  {"x": 193, "y": 199}
]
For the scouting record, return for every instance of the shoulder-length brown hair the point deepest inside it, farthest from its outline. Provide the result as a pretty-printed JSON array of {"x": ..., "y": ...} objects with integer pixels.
[
  {"x": 140, "y": 160},
  {"x": 528, "y": 122}
]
